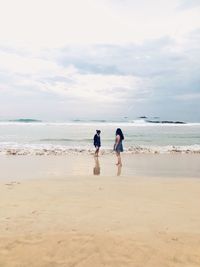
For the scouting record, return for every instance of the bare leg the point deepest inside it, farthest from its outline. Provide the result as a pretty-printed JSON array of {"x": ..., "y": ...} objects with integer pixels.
[
  {"x": 96, "y": 154},
  {"x": 119, "y": 167},
  {"x": 118, "y": 158}
]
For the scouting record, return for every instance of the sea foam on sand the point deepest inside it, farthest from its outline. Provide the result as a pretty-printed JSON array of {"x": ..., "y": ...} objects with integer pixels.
[{"x": 20, "y": 149}]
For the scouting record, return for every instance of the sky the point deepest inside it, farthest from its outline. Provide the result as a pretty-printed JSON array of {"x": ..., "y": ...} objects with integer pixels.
[{"x": 100, "y": 59}]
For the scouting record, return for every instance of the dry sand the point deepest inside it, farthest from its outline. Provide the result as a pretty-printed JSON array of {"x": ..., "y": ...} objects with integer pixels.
[{"x": 84, "y": 220}]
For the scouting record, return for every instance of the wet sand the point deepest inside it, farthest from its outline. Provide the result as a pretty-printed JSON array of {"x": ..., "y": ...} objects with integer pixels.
[
  {"x": 138, "y": 165},
  {"x": 55, "y": 212}
]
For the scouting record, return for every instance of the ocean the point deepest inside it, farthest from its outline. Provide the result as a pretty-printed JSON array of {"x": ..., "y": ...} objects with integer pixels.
[{"x": 30, "y": 137}]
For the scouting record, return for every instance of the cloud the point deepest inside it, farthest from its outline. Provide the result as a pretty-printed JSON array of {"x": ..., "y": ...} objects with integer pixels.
[
  {"x": 108, "y": 75},
  {"x": 120, "y": 57},
  {"x": 189, "y": 97},
  {"x": 164, "y": 62},
  {"x": 129, "y": 59},
  {"x": 24, "y": 75},
  {"x": 97, "y": 88},
  {"x": 49, "y": 24},
  {"x": 187, "y": 4}
]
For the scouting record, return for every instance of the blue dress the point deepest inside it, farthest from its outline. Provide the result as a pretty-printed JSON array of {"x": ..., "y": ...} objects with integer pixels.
[{"x": 119, "y": 147}]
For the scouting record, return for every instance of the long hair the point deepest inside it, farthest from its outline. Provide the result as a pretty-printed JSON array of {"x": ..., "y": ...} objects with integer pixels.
[{"x": 119, "y": 132}]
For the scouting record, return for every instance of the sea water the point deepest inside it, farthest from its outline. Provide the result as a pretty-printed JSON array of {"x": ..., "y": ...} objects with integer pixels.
[{"x": 36, "y": 137}]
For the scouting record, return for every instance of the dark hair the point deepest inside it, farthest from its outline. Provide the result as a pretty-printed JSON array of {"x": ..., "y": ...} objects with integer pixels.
[
  {"x": 98, "y": 131},
  {"x": 119, "y": 132}
]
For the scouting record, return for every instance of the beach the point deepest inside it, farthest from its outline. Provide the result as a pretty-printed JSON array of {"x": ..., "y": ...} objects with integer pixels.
[{"x": 77, "y": 211}]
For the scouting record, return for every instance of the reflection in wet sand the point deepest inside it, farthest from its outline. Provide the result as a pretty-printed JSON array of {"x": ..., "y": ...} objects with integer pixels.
[
  {"x": 119, "y": 169},
  {"x": 96, "y": 169}
]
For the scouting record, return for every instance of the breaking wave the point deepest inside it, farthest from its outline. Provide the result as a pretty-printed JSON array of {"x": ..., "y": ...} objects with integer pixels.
[{"x": 16, "y": 149}]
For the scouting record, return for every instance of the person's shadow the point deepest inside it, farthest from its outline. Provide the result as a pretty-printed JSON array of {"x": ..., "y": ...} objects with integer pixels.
[{"x": 96, "y": 169}]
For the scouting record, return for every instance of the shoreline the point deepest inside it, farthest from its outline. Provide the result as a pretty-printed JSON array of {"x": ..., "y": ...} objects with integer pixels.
[{"x": 59, "y": 150}]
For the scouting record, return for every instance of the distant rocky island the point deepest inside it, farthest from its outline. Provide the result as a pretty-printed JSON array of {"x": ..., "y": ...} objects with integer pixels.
[
  {"x": 172, "y": 122},
  {"x": 142, "y": 117},
  {"x": 25, "y": 120},
  {"x": 161, "y": 121}
]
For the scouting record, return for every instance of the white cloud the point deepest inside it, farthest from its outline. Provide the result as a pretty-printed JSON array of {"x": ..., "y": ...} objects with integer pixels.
[
  {"x": 56, "y": 23},
  {"x": 26, "y": 65},
  {"x": 188, "y": 97},
  {"x": 97, "y": 87},
  {"x": 27, "y": 74},
  {"x": 187, "y": 4}
]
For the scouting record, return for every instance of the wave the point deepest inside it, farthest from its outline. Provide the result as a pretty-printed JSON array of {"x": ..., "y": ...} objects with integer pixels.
[
  {"x": 66, "y": 140},
  {"x": 19, "y": 149},
  {"x": 99, "y": 123}
]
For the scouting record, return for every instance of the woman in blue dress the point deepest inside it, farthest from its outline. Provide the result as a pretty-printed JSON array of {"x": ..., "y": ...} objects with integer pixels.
[{"x": 118, "y": 146}]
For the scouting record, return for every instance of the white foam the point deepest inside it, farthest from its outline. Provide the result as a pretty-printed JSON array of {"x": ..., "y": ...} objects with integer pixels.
[
  {"x": 38, "y": 149},
  {"x": 133, "y": 123}
]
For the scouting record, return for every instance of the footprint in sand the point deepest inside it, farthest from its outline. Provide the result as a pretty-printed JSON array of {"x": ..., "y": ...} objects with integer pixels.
[
  {"x": 11, "y": 184},
  {"x": 175, "y": 238},
  {"x": 35, "y": 212}
]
